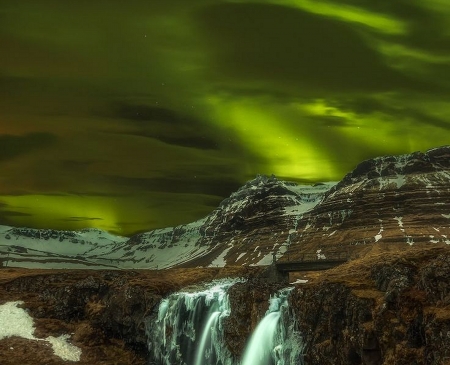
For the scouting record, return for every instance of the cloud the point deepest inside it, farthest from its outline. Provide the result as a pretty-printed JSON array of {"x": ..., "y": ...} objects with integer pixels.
[
  {"x": 13, "y": 146},
  {"x": 219, "y": 186},
  {"x": 278, "y": 44},
  {"x": 394, "y": 108},
  {"x": 8, "y": 214},
  {"x": 81, "y": 219},
  {"x": 145, "y": 114},
  {"x": 166, "y": 125}
]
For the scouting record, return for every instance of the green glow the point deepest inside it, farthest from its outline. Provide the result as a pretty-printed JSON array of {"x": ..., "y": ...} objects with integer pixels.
[
  {"x": 286, "y": 153},
  {"x": 241, "y": 100},
  {"x": 120, "y": 215},
  {"x": 411, "y": 60},
  {"x": 382, "y": 23},
  {"x": 62, "y": 211},
  {"x": 381, "y": 131}
]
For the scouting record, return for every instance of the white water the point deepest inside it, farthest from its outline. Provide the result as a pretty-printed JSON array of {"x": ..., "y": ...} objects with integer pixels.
[
  {"x": 275, "y": 341},
  {"x": 206, "y": 349},
  {"x": 259, "y": 350},
  {"x": 188, "y": 330}
]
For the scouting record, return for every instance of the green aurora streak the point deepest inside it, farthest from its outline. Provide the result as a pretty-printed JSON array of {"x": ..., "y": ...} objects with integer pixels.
[{"x": 128, "y": 116}]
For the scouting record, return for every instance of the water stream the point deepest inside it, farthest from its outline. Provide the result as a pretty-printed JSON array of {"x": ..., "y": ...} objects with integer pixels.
[
  {"x": 275, "y": 340},
  {"x": 188, "y": 330}
]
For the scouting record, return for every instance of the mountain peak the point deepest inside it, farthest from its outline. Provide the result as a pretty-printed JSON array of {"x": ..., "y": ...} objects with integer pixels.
[{"x": 387, "y": 168}]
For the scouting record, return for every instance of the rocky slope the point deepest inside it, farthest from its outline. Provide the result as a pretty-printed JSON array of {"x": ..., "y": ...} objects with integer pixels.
[
  {"x": 393, "y": 199},
  {"x": 394, "y": 308},
  {"x": 101, "y": 312}
]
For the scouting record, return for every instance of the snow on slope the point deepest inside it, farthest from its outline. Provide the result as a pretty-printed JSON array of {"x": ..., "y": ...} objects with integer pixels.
[
  {"x": 157, "y": 249},
  {"x": 93, "y": 248},
  {"x": 265, "y": 217}
]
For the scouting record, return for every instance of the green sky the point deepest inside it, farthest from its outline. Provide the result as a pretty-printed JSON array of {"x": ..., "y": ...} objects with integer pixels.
[{"x": 128, "y": 116}]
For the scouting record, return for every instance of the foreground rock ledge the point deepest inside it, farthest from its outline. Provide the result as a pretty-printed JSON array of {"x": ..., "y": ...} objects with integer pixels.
[{"x": 390, "y": 307}]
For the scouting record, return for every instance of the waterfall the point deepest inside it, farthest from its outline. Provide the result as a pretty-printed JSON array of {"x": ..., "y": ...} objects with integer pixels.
[
  {"x": 275, "y": 340},
  {"x": 188, "y": 328}
]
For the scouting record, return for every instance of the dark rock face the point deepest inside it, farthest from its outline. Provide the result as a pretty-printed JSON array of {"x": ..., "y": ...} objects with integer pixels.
[
  {"x": 105, "y": 311},
  {"x": 249, "y": 302},
  {"x": 402, "y": 318},
  {"x": 107, "y": 302}
]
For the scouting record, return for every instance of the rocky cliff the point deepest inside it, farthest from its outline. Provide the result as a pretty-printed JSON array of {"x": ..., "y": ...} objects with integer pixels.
[
  {"x": 383, "y": 309},
  {"x": 102, "y": 312}
]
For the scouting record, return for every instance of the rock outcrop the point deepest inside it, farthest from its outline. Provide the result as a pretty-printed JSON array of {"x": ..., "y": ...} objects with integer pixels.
[
  {"x": 103, "y": 312},
  {"x": 394, "y": 310}
]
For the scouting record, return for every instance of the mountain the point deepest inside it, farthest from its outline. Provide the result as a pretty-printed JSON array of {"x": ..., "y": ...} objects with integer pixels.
[{"x": 393, "y": 199}]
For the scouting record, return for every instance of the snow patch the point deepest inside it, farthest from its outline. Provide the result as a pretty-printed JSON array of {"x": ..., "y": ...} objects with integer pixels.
[
  {"x": 63, "y": 349},
  {"x": 241, "y": 255},
  {"x": 432, "y": 240},
  {"x": 320, "y": 255},
  {"x": 409, "y": 240},
  {"x": 299, "y": 281},
  {"x": 399, "y": 220},
  {"x": 266, "y": 260},
  {"x": 15, "y": 321},
  {"x": 379, "y": 236},
  {"x": 220, "y": 260}
]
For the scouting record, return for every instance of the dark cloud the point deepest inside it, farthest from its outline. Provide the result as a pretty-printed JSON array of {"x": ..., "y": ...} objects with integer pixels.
[
  {"x": 427, "y": 28},
  {"x": 13, "y": 146},
  {"x": 144, "y": 113},
  {"x": 270, "y": 42},
  {"x": 8, "y": 214},
  {"x": 81, "y": 219},
  {"x": 12, "y": 213},
  {"x": 366, "y": 105},
  {"x": 7, "y": 217},
  {"x": 77, "y": 164},
  {"x": 199, "y": 142},
  {"x": 330, "y": 121},
  {"x": 182, "y": 184},
  {"x": 167, "y": 126}
]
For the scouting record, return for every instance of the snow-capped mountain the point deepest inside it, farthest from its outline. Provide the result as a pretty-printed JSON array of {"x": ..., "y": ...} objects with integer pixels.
[
  {"x": 393, "y": 199},
  {"x": 223, "y": 237}
]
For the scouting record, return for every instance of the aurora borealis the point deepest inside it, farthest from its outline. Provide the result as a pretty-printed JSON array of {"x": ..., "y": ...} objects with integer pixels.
[{"x": 128, "y": 116}]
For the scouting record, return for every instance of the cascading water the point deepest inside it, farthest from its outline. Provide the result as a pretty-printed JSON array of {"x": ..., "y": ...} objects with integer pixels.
[
  {"x": 188, "y": 329},
  {"x": 275, "y": 340}
]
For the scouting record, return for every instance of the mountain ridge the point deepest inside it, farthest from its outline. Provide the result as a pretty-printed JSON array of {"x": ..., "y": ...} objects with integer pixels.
[{"x": 391, "y": 199}]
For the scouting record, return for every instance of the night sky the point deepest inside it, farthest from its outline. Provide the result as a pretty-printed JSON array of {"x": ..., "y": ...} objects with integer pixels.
[{"x": 134, "y": 115}]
